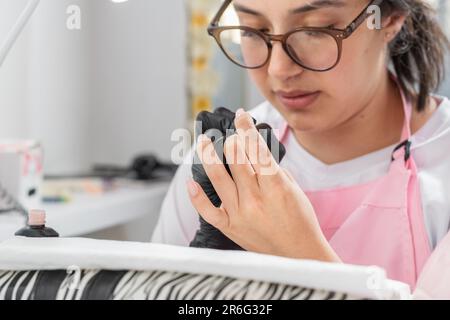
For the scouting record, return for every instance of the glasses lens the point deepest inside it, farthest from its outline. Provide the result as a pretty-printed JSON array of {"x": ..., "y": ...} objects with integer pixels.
[
  {"x": 245, "y": 47},
  {"x": 312, "y": 49}
]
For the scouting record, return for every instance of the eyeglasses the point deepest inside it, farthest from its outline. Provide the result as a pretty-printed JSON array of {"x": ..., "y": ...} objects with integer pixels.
[{"x": 312, "y": 48}]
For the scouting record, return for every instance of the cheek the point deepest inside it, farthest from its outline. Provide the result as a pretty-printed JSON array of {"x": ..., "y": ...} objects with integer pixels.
[
  {"x": 361, "y": 65},
  {"x": 260, "y": 78}
]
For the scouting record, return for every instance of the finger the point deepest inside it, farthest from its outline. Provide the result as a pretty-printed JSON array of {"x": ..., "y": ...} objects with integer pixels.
[
  {"x": 242, "y": 171},
  {"x": 255, "y": 146},
  {"x": 289, "y": 175},
  {"x": 217, "y": 217},
  {"x": 216, "y": 172}
]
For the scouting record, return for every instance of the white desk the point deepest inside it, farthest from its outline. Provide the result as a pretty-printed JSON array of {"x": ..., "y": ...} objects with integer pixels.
[{"x": 87, "y": 213}]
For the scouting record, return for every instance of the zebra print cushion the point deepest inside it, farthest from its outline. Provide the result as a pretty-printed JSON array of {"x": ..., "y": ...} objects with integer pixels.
[
  {"x": 156, "y": 271},
  {"x": 154, "y": 285}
]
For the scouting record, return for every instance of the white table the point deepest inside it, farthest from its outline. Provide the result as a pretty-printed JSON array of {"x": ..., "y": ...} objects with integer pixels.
[{"x": 89, "y": 213}]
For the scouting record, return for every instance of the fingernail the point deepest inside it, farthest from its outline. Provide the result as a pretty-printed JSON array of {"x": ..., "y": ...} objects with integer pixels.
[
  {"x": 240, "y": 112},
  {"x": 202, "y": 137},
  {"x": 192, "y": 188}
]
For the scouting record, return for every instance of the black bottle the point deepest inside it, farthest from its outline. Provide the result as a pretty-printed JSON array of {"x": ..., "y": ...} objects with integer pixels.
[
  {"x": 36, "y": 227},
  {"x": 222, "y": 120}
]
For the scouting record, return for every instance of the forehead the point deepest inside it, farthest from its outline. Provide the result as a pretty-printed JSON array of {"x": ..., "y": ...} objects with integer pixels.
[{"x": 291, "y": 7}]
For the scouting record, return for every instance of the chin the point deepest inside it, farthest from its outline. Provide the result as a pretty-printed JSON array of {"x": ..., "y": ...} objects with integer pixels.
[
  {"x": 303, "y": 120},
  {"x": 302, "y": 126},
  {"x": 307, "y": 123}
]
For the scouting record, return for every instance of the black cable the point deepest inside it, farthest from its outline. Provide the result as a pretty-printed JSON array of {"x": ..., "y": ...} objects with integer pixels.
[{"x": 143, "y": 168}]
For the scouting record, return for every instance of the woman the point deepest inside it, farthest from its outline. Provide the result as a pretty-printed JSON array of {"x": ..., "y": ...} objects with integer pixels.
[{"x": 369, "y": 170}]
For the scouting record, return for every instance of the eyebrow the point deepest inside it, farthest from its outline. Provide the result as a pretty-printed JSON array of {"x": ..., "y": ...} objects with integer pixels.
[{"x": 312, "y": 6}]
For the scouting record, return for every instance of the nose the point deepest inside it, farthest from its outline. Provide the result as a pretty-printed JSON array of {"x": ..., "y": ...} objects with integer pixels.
[{"x": 281, "y": 66}]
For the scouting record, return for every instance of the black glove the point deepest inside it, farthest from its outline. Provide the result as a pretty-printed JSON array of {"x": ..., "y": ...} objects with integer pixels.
[{"x": 222, "y": 120}]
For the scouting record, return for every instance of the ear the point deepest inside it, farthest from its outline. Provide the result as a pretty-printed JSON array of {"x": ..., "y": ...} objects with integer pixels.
[{"x": 392, "y": 25}]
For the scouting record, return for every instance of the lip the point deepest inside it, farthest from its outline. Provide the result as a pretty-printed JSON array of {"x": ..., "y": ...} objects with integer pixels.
[{"x": 297, "y": 100}]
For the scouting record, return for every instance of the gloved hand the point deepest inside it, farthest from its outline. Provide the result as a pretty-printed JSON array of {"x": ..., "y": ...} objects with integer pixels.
[{"x": 221, "y": 120}]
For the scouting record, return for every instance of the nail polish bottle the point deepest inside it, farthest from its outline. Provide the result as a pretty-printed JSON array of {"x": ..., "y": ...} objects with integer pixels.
[{"x": 36, "y": 226}]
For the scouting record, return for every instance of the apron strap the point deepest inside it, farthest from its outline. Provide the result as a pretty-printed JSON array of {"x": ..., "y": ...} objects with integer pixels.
[{"x": 405, "y": 146}]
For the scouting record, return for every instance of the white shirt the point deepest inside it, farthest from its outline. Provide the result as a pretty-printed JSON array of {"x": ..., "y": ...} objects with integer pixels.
[{"x": 178, "y": 221}]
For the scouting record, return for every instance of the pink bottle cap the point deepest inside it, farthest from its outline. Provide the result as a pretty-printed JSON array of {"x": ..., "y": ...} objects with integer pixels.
[{"x": 36, "y": 218}]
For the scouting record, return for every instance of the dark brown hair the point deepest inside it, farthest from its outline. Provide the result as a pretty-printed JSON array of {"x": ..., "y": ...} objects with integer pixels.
[{"x": 418, "y": 52}]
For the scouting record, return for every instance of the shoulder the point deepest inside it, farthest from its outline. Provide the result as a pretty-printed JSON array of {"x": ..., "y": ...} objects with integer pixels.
[{"x": 431, "y": 141}]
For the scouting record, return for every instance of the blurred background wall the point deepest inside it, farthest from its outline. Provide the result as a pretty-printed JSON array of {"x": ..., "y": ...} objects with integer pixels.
[
  {"x": 444, "y": 10},
  {"x": 13, "y": 74},
  {"x": 138, "y": 63},
  {"x": 103, "y": 93}
]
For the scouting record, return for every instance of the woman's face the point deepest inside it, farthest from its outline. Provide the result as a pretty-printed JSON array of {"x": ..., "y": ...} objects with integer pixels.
[{"x": 335, "y": 96}]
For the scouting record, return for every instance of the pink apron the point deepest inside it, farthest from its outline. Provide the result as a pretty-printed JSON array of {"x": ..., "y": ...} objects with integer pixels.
[{"x": 378, "y": 223}]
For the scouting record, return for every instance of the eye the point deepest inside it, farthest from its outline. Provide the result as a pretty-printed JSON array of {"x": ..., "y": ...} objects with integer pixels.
[
  {"x": 248, "y": 34},
  {"x": 316, "y": 34},
  {"x": 321, "y": 25},
  {"x": 328, "y": 26},
  {"x": 252, "y": 34}
]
